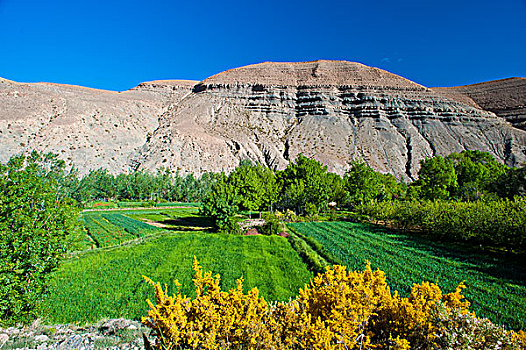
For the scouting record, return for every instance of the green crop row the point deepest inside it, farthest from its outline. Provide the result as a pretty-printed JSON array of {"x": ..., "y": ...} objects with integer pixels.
[
  {"x": 104, "y": 230},
  {"x": 104, "y": 233},
  {"x": 132, "y": 226},
  {"x": 495, "y": 287},
  {"x": 109, "y": 284}
]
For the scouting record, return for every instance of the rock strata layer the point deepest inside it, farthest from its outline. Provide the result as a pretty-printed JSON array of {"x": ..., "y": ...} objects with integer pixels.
[
  {"x": 506, "y": 98},
  {"x": 333, "y": 111}
]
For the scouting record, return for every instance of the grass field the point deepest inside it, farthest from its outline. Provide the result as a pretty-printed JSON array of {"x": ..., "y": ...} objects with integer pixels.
[
  {"x": 496, "y": 287},
  {"x": 107, "y": 283}
]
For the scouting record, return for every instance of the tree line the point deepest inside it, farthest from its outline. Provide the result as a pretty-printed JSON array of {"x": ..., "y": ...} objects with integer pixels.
[
  {"x": 306, "y": 187},
  {"x": 101, "y": 185}
]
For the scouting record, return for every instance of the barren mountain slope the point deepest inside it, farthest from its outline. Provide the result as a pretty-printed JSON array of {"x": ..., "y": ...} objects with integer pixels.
[
  {"x": 334, "y": 111},
  {"x": 506, "y": 98},
  {"x": 87, "y": 127}
]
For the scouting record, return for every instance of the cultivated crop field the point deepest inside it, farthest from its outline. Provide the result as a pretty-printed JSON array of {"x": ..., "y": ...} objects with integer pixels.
[
  {"x": 108, "y": 283},
  {"x": 105, "y": 229},
  {"x": 496, "y": 287}
]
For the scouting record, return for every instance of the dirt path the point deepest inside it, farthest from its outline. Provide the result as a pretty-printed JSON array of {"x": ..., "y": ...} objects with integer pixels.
[{"x": 155, "y": 223}]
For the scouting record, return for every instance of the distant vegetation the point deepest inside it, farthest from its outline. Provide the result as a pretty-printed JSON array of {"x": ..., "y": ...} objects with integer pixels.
[
  {"x": 307, "y": 188},
  {"x": 163, "y": 186}
]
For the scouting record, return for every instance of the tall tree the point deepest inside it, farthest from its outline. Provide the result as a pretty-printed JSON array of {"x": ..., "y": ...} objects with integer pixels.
[
  {"x": 365, "y": 184},
  {"x": 305, "y": 181},
  {"x": 222, "y": 205},
  {"x": 38, "y": 225},
  {"x": 437, "y": 178}
]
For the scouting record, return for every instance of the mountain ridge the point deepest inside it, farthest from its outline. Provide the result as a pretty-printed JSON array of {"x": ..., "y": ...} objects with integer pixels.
[{"x": 334, "y": 111}]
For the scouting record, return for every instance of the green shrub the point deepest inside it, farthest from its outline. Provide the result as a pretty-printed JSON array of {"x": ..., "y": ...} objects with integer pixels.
[
  {"x": 273, "y": 224},
  {"x": 501, "y": 222}
]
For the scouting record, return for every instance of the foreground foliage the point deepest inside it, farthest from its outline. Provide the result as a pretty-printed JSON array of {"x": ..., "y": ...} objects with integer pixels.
[
  {"x": 37, "y": 226},
  {"x": 337, "y": 310},
  {"x": 496, "y": 286}
]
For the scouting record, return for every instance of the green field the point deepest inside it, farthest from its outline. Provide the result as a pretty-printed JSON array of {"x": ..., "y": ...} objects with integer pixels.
[
  {"x": 107, "y": 283},
  {"x": 104, "y": 229},
  {"x": 179, "y": 204},
  {"x": 496, "y": 287}
]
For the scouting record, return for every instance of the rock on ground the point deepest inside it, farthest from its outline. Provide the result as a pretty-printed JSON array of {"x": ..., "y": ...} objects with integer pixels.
[{"x": 110, "y": 334}]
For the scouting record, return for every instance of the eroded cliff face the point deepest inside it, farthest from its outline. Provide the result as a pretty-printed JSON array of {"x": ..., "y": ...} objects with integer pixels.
[
  {"x": 88, "y": 128},
  {"x": 333, "y": 111},
  {"x": 506, "y": 98}
]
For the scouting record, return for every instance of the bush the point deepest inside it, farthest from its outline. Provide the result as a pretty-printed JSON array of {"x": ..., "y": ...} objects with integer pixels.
[
  {"x": 337, "y": 310},
  {"x": 273, "y": 225}
]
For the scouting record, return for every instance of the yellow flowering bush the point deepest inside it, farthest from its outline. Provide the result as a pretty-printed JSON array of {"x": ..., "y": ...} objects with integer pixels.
[
  {"x": 213, "y": 320},
  {"x": 338, "y": 309}
]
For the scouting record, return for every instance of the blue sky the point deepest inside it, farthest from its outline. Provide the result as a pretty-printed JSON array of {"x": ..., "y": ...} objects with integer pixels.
[{"x": 116, "y": 44}]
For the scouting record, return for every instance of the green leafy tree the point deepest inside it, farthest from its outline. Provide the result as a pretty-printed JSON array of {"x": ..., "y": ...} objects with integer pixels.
[
  {"x": 511, "y": 184},
  {"x": 476, "y": 172},
  {"x": 339, "y": 193},
  {"x": 247, "y": 183},
  {"x": 365, "y": 184},
  {"x": 437, "y": 178},
  {"x": 305, "y": 181},
  {"x": 221, "y": 205},
  {"x": 100, "y": 185},
  {"x": 38, "y": 225},
  {"x": 256, "y": 186}
]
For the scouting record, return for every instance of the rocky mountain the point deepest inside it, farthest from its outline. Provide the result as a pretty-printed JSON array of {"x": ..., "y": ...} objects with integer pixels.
[
  {"x": 506, "y": 98},
  {"x": 333, "y": 111},
  {"x": 88, "y": 128}
]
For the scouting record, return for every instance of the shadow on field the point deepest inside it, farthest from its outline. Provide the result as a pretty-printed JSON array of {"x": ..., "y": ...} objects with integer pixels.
[
  {"x": 191, "y": 223},
  {"x": 494, "y": 262}
]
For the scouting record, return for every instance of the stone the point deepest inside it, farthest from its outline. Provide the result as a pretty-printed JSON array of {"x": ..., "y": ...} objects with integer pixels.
[
  {"x": 42, "y": 338},
  {"x": 252, "y": 232}
]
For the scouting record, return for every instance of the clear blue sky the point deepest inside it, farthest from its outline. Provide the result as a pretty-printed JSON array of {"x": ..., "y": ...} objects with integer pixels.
[{"x": 116, "y": 44}]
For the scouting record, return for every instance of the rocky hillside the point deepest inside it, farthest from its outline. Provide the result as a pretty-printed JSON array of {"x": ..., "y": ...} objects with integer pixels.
[
  {"x": 88, "y": 128},
  {"x": 334, "y": 111},
  {"x": 506, "y": 98}
]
